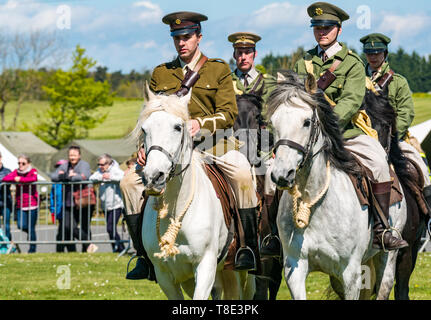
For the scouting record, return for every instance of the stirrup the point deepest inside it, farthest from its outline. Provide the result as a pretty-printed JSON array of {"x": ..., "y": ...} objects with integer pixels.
[
  {"x": 383, "y": 237},
  {"x": 131, "y": 259},
  {"x": 252, "y": 253},
  {"x": 266, "y": 240}
]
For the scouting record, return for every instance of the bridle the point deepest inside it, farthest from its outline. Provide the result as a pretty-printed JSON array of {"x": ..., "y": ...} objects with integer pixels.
[
  {"x": 307, "y": 150},
  {"x": 174, "y": 159}
]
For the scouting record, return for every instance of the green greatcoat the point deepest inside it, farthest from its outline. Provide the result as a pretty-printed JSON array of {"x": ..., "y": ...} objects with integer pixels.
[
  {"x": 213, "y": 101},
  {"x": 347, "y": 90},
  {"x": 400, "y": 98},
  {"x": 267, "y": 85}
]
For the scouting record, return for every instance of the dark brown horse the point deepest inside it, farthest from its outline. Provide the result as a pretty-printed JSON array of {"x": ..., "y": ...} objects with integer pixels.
[
  {"x": 249, "y": 129},
  {"x": 383, "y": 118}
]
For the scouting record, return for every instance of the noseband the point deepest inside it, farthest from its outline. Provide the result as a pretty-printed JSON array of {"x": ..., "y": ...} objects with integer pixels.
[
  {"x": 171, "y": 158},
  {"x": 306, "y": 151}
]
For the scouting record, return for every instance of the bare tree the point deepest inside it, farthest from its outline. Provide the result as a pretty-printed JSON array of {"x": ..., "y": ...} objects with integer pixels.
[{"x": 21, "y": 56}]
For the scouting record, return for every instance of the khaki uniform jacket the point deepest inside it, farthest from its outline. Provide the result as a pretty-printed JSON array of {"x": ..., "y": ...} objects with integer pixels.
[
  {"x": 347, "y": 90},
  {"x": 400, "y": 98},
  {"x": 267, "y": 85},
  {"x": 213, "y": 101}
]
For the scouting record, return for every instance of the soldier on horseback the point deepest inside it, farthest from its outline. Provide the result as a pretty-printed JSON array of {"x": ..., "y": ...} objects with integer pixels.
[
  {"x": 212, "y": 107},
  {"x": 380, "y": 76},
  {"x": 341, "y": 76},
  {"x": 246, "y": 78}
]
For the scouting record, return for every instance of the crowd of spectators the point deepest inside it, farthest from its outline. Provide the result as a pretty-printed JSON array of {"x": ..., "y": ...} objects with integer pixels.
[{"x": 71, "y": 203}]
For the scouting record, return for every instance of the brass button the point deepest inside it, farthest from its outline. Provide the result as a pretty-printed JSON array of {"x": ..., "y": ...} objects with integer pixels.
[
  {"x": 208, "y": 86},
  {"x": 165, "y": 88},
  {"x": 321, "y": 74},
  {"x": 340, "y": 86}
]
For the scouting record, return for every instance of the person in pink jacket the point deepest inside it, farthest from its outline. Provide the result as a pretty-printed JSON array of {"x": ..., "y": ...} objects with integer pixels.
[{"x": 26, "y": 203}]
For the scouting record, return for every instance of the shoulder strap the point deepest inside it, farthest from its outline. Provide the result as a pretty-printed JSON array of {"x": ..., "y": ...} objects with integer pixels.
[
  {"x": 256, "y": 85},
  {"x": 201, "y": 63}
]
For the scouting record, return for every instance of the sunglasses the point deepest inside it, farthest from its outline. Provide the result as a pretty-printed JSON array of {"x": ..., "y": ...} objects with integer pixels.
[
  {"x": 101, "y": 164},
  {"x": 22, "y": 163}
]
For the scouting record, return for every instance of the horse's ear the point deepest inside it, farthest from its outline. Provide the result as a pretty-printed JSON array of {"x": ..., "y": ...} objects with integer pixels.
[
  {"x": 310, "y": 84},
  {"x": 186, "y": 99},
  {"x": 280, "y": 77},
  {"x": 148, "y": 94}
]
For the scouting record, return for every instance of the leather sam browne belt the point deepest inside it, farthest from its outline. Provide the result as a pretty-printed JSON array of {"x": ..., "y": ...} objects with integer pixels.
[{"x": 191, "y": 77}]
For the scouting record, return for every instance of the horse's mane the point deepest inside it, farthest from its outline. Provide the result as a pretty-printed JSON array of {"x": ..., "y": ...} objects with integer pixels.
[
  {"x": 383, "y": 116},
  {"x": 294, "y": 86},
  {"x": 254, "y": 99},
  {"x": 168, "y": 103}
]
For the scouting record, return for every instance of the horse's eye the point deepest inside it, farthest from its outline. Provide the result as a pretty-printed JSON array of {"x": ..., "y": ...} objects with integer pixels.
[
  {"x": 177, "y": 127},
  {"x": 307, "y": 123}
]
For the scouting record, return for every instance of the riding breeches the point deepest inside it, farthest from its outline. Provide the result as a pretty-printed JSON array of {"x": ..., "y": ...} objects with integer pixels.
[
  {"x": 411, "y": 153},
  {"x": 233, "y": 164},
  {"x": 371, "y": 154}
]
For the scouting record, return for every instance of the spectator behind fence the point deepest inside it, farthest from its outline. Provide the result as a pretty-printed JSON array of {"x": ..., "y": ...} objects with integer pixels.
[
  {"x": 56, "y": 204},
  {"x": 110, "y": 196},
  {"x": 5, "y": 199},
  {"x": 73, "y": 170},
  {"x": 131, "y": 163},
  {"x": 26, "y": 198}
]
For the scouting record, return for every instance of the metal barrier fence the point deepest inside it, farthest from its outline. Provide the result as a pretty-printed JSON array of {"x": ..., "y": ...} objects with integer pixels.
[{"x": 73, "y": 222}]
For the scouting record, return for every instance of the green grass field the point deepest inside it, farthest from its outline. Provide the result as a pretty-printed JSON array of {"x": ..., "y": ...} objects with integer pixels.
[
  {"x": 100, "y": 276},
  {"x": 123, "y": 114}
]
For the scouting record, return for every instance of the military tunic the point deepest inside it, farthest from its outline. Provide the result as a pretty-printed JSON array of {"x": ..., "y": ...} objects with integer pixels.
[
  {"x": 347, "y": 91},
  {"x": 266, "y": 86},
  {"x": 400, "y": 98}
]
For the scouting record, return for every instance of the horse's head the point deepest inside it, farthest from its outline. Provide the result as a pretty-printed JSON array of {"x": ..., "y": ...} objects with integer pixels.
[
  {"x": 162, "y": 130},
  {"x": 248, "y": 123},
  {"x": 292, "y": 111},
  {"x": 304, "y": 124}
]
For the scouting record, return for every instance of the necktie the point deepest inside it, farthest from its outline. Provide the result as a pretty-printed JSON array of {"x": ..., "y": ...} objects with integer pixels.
[
  {"x": 324, "y": 56},
  {"x": 245, "y": 80}
]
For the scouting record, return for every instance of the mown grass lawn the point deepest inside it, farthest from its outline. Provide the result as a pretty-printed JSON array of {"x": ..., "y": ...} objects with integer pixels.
[{"x": 100, "y": 276}]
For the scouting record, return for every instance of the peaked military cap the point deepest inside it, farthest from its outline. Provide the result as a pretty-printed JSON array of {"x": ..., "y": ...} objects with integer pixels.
[
  {"x": 326, "y": 14},
  {"x": 375, "y": 43},
  {"x": 244, "y": 39},
  {"x": 184, "y": 22}
]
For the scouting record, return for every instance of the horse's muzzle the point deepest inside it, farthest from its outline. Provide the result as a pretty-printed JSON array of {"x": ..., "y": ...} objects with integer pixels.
[
  {"x": 154, "y": 183},
  {"x": 284, "y": 179}
]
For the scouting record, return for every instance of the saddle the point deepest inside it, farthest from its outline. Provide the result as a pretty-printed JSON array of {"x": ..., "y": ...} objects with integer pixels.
[
  {"x": 415, "y": 184},
  {"x": 236, "y": 238},
  {"x": 362, "y": 185}
]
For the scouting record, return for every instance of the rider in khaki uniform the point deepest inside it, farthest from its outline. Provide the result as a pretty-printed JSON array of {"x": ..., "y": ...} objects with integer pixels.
[
  {"x": 345, "y": 93},
  {"x": 246, "y": 78},
  {"x": 375, "y": 47},
  {"x": 212, "y": 107}
]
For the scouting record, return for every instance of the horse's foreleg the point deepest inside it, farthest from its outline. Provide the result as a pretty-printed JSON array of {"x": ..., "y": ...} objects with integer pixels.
[
  {"x": 295, "y": 273},
  {"x": 385, "y": 273},
  {"x": 205, "y": 273},
  {"x": 171, "y": 289},
  {"x": 352, "y": 281}
]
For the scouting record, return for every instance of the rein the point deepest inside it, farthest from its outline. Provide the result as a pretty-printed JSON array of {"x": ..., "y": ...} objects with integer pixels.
[{"x": 301, "y": 212}]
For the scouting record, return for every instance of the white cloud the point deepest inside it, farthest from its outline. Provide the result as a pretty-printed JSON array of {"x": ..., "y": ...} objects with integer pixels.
[
  {"x": 152, "y": 12},
  {"x": 403, "y": 27},
  {"x": 145, "y": 45},
  {"x": 279, "y": 14}
]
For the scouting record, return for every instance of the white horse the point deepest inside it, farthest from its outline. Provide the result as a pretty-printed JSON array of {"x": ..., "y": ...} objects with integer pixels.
[
  {"x": 184, "y": 231},
  {"x": 321, "y": 223}
]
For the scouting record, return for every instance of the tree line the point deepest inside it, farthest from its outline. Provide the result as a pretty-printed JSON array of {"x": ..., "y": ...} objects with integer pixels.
[{"x": 29, "y": 71}]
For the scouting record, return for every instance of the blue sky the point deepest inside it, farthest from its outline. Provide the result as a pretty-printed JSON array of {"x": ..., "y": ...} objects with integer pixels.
[{"x": 129, "y": 34}]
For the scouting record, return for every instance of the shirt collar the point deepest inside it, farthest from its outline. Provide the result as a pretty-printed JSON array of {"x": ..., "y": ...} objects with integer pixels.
[
  {"x": 252, "y": 73},
  {"x": 192, "y": 63},
  {"x": 331, "y": 51}
]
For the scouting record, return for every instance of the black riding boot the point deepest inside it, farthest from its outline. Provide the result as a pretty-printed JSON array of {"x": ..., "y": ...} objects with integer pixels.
[
  {"x": 245, "y": 258},
  {"x": 383, "y": 238},
  {"x": 143, "y": 269},
  {"x": 271, "y": 246}
]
